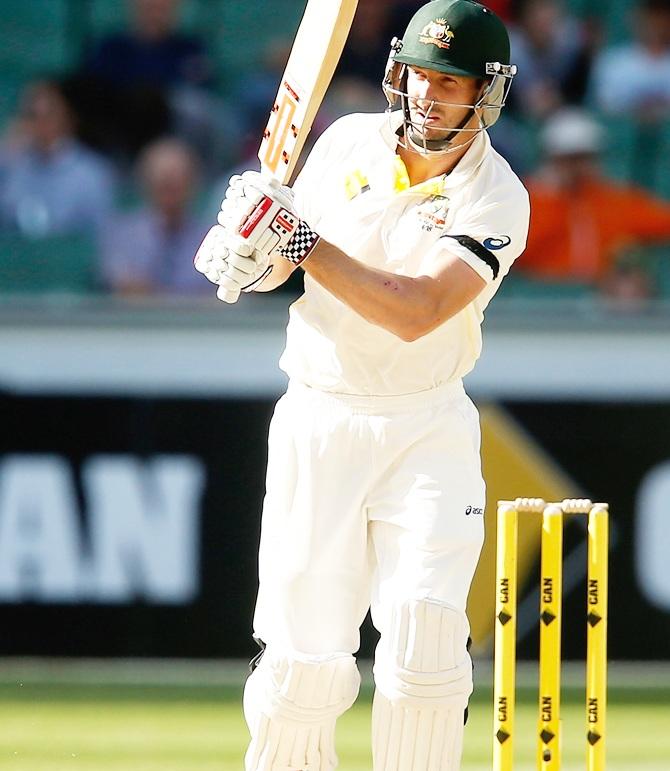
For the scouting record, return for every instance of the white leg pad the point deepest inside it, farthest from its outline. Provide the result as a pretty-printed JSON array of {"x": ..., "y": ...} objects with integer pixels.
[
  {"x": 291, "y": 706},
  {"x": 412, "y": 739},
  {"x": 422, "y": 657},
  {"x": 423, "y": 675}
]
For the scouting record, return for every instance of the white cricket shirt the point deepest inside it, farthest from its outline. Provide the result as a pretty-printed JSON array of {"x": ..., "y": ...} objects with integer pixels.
[{"x": 354, "y": 191}]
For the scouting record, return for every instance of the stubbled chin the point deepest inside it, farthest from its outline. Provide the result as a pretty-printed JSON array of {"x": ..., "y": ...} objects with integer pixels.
[{"x": 431, "y": 133}]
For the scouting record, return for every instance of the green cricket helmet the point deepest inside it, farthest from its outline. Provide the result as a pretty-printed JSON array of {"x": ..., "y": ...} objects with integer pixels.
[{"x": 457, "y": 37}]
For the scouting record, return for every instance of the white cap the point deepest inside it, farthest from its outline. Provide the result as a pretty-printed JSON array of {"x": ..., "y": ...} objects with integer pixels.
[{"x": 571, "y": 131}]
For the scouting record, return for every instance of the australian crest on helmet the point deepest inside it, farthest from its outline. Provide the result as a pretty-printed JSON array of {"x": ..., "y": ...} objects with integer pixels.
[{"x": 437, "y": 33}]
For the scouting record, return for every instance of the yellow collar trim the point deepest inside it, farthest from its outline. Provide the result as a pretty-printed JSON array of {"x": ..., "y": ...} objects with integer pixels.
[
  {"x": 434, "y": 186},
  {"x": 400, "y": 175},
  {"x": 356, "y": 182}
]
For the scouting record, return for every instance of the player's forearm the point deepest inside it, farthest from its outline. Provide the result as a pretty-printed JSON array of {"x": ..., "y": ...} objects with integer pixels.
[{"x": 402, "y": 305}]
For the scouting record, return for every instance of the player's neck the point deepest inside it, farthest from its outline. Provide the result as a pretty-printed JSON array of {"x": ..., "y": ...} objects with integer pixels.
[{"x": 421, "y": 168}]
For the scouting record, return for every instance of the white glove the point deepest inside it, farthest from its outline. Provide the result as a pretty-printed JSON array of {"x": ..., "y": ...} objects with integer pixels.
[
  {"x": 262, "y": 212},
  {"x": 246, "y": 269},
  {"x": 212, "y": 255},
  {"x": 235, "y": 208},
  {"x": 230, "y": 262}
]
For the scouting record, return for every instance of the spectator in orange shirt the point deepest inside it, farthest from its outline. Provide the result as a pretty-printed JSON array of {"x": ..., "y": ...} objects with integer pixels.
[{"x": 582, "y": 223}]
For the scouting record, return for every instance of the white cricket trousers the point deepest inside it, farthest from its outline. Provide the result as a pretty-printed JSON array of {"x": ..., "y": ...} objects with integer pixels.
[{"x": 370, "y": 502}]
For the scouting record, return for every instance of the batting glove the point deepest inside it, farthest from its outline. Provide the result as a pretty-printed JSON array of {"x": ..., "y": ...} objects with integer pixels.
[
  {"x": 235, "y": 207},
  {"x": 246, "y": 269},
  {"x": 211, "y": 259},
  {"x": 231, "y": 263},
  {"x": 263, "y": 214}
]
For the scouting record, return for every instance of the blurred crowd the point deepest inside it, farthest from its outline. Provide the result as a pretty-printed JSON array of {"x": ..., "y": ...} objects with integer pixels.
[{"x": 127, "y": 153}]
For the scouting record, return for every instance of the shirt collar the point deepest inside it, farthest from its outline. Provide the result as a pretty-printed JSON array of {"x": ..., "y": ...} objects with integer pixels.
[{"x": 464, "y": 169}]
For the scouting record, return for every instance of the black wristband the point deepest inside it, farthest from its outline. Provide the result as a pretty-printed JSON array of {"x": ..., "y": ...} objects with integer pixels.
[{"x": 301, "y": 245}]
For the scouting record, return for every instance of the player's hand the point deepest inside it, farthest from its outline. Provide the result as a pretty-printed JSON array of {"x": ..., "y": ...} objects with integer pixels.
[
  {"x": 211, "y": 259},
  {"x": 231, "y": 263},
  {"x": 262, "y": 212},
  {"x": 235, "y": 207},
  {"x": 246, "y": 269}
]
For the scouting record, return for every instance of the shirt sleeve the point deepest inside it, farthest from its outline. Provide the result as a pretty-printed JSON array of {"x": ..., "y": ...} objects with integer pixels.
[{"x": 491, "y": 236}]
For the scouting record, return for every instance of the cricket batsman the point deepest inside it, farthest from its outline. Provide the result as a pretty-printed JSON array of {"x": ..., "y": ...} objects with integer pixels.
[{"x": 405, "y": 224}]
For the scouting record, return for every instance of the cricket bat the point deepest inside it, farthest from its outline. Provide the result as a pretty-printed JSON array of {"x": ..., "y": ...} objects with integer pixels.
[{"x": 316, "y": 51}]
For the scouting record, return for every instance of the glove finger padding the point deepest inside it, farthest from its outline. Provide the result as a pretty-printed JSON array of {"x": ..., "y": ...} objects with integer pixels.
[
  {"x": 233, "y": 214},
  {"x": 234, "y": 207},
  {"x": 247, "y": 265},
  {"x": 227, "y": 295},
  {"x": 235, "y": 187},
  {"x": 238, "y": 276},
  {"x": 210, "y": 259},
  {"x": 203, "y": 254},
  {"x": 232, "y": 196},
  {"x": 239, "y": 245},
  {"x": 244, "y": 184},
  {"x": 269, "y": 186}
]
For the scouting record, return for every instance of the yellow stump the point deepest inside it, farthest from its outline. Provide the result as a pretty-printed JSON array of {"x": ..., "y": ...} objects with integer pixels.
[
  {"x": 596, "y": 637},
  {"x": 549, "y": 707},
  {"x": 505, "y": 639}
]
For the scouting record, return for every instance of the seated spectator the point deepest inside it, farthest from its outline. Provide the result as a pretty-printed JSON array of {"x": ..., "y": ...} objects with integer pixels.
[
  {"x": 552, "y": 51},
  {"x": 155, "y": 79},
  {"x": 151, "y": 250},
  {"x": 51, "y": 183},
  {"x": 582, "y": 224},
  {"x": 634, "y": 78}
]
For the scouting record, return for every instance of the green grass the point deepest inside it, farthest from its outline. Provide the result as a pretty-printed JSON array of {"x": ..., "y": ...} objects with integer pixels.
[{"x": 48, "y": 723}]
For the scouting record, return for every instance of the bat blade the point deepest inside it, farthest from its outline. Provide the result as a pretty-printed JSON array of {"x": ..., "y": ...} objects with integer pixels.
[{"x": 316, "y": 51}]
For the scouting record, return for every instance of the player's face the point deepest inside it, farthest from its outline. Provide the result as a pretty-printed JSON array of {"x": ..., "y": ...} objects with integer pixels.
[{"x": 439, "y": 102}]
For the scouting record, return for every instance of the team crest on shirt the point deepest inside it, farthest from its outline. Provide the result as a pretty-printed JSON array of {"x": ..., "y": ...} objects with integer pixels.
[
  {"x": 433, "y": 213},
  {"x": 437, "y": 33}
]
